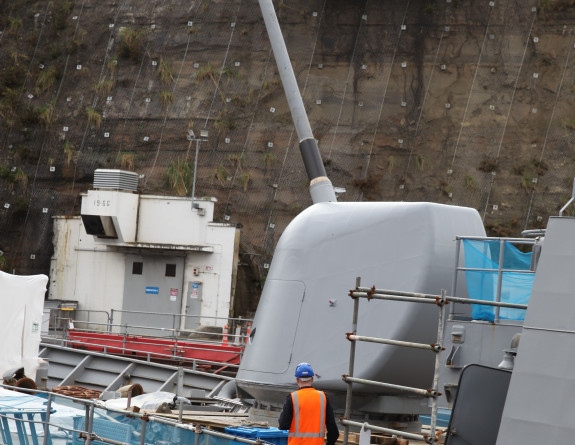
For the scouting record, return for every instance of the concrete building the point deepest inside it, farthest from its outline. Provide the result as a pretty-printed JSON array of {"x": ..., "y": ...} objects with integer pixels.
[{"x": 140, "y": 253}]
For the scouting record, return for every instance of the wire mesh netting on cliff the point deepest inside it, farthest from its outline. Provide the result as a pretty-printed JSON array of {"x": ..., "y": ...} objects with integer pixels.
[{"x": 450, "y": 102}]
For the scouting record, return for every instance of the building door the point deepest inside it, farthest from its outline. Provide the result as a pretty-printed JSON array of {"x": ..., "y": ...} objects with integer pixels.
[
  {"x": 153, "y": 287},
  {"x": 193, "y": 305}
]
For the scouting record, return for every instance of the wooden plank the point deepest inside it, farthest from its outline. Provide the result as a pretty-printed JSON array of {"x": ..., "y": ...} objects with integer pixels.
[
  {"x": 207, "y": 418},
  {"x": 380, "y": 439}
]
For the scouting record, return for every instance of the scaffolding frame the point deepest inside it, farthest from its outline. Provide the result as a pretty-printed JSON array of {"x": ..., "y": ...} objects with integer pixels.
[{"x": 380, "y": 294}]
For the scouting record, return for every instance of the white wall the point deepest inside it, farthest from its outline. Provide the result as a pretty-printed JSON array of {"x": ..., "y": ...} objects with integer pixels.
[
  {"x": 216, "y": 272},
  {"x": 84, "y": 270},
  {"x": 170, "y": 220},
  {"x": 224, "y": 237},
  {"x": 62, "y": 264}
]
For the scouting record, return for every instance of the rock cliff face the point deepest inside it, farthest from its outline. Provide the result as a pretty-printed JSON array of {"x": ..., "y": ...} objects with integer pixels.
[{"x": 468, "y": 103}]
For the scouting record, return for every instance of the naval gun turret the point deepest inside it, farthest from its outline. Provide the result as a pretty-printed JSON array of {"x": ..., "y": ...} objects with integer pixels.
[{"x": 304, "y": 312}]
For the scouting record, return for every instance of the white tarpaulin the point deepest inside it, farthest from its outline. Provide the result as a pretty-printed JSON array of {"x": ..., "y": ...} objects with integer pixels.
[{"x": 22, "y": 306}]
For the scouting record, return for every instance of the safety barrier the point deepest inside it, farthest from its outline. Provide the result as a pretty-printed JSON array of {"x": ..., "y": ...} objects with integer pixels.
[
  {"x": 213, "y": 350},
  {"x": 42, "y": 417},
  {"x": 62, "y": 319}
]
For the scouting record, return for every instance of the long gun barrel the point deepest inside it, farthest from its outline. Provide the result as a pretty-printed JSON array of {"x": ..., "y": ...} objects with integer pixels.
[{"x": 321, "y": 188}]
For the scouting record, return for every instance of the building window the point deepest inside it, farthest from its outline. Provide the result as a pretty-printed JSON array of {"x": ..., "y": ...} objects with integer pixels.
[
  {"x": 170, "y": 270},
  {"x": 137, "y": 268}
]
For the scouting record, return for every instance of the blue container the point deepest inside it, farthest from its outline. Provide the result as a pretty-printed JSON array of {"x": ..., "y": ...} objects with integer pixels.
[
  {"x": 271, "y": 435},
  {"x": 443, "y": 416}
]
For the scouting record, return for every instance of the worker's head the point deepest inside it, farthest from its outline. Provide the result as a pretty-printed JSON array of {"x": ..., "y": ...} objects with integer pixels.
[{"x": 304, "y": 374}]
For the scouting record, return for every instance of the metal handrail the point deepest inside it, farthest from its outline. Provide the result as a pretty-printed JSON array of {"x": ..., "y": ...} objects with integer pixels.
[
  {"x": 496, "y": 238},
  {"x": 476, "y": 269},
  {"x": 89, "y": 406},
  {"x": 229, "y": 321},
  {"x": 149, "y": 355},
  {"x": 381, "y": 294},
  {"x": 140, "y": 354},
  {"x": 175, "y": 333},
  {"x": 95, "y": 311},
  {"x": 179, "y": 315},
  {"x": 177, "y": 350},
  {"x": 179, "y": 344},
  {"x": 407, "y": 389},
  {"x": 238, "y": 339},
  {"x": 500, "y": 270},
  {"x": 386, "y": 341},
  {"x": 568, "y": 202},
  {"x": 421, "y": 437}
]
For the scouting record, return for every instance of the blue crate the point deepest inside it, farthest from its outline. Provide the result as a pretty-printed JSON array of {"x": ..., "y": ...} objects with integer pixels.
[{"x": 270, "y": 435}]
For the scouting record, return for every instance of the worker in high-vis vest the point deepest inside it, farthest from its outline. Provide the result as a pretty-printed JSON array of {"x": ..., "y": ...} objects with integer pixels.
[{"x": 307, "y": 413}]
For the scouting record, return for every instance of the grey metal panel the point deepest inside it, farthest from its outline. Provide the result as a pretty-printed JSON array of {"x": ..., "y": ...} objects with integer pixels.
[
  {"x": 76, "y": 372},
  {"x": 274, "y": 351},
  {"x": 61, "y": 364},
  {"x": 483, "y": 344},
  {"x": 106, "y": 372},
  {"x": 541, "y": 400},
  {"x": 169, "y": 382},
  {"x": 399, "y": 245},
  {"x": 477, "y": 412},
  {"x": 552, "y": 304},
  {"x": 540, "y": 405},
  {"x": 118, "y": 382}
]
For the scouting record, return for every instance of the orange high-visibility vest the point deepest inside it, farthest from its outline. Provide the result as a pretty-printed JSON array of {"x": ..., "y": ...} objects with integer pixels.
[{"x": 308, "y": 423}]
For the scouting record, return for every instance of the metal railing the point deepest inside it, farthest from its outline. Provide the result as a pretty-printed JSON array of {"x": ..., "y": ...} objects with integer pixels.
[
  {"x": 235, "y": 331},
  {"x": 500, "y": 270},
  {"x": 381, "y": 294},
  {"x": 178, "y": 319},
  {"x": 221, "y": 350},
  {"x": 20, "y": 425},
  {"x": 195, "y": 363}
]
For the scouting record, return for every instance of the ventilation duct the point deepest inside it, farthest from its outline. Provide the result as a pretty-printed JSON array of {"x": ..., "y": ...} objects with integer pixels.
[
  {"x": 115, "y": 180},
  {"x": 100, "y": 226}
]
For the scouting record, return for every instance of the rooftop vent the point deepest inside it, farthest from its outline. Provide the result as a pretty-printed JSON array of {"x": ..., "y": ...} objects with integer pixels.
[{"x": 115, "y": 180}]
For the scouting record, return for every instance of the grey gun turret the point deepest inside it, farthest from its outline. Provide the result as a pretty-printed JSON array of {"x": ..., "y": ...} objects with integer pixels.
[{"x": 304, "y": 312}]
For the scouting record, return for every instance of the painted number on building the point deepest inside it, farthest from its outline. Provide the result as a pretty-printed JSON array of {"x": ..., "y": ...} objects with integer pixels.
[
  {"x": 173, "y": 294},
  {"x": 152, "y": 290},
  {"x": 102, "y": 203}
]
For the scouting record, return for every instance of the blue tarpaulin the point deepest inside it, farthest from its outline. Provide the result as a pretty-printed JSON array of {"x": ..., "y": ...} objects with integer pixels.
[{"x": 482, "y": 285}]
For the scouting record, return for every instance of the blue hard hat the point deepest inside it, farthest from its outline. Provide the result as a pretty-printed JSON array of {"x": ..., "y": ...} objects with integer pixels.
[{"x": 304, "y": 370}]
